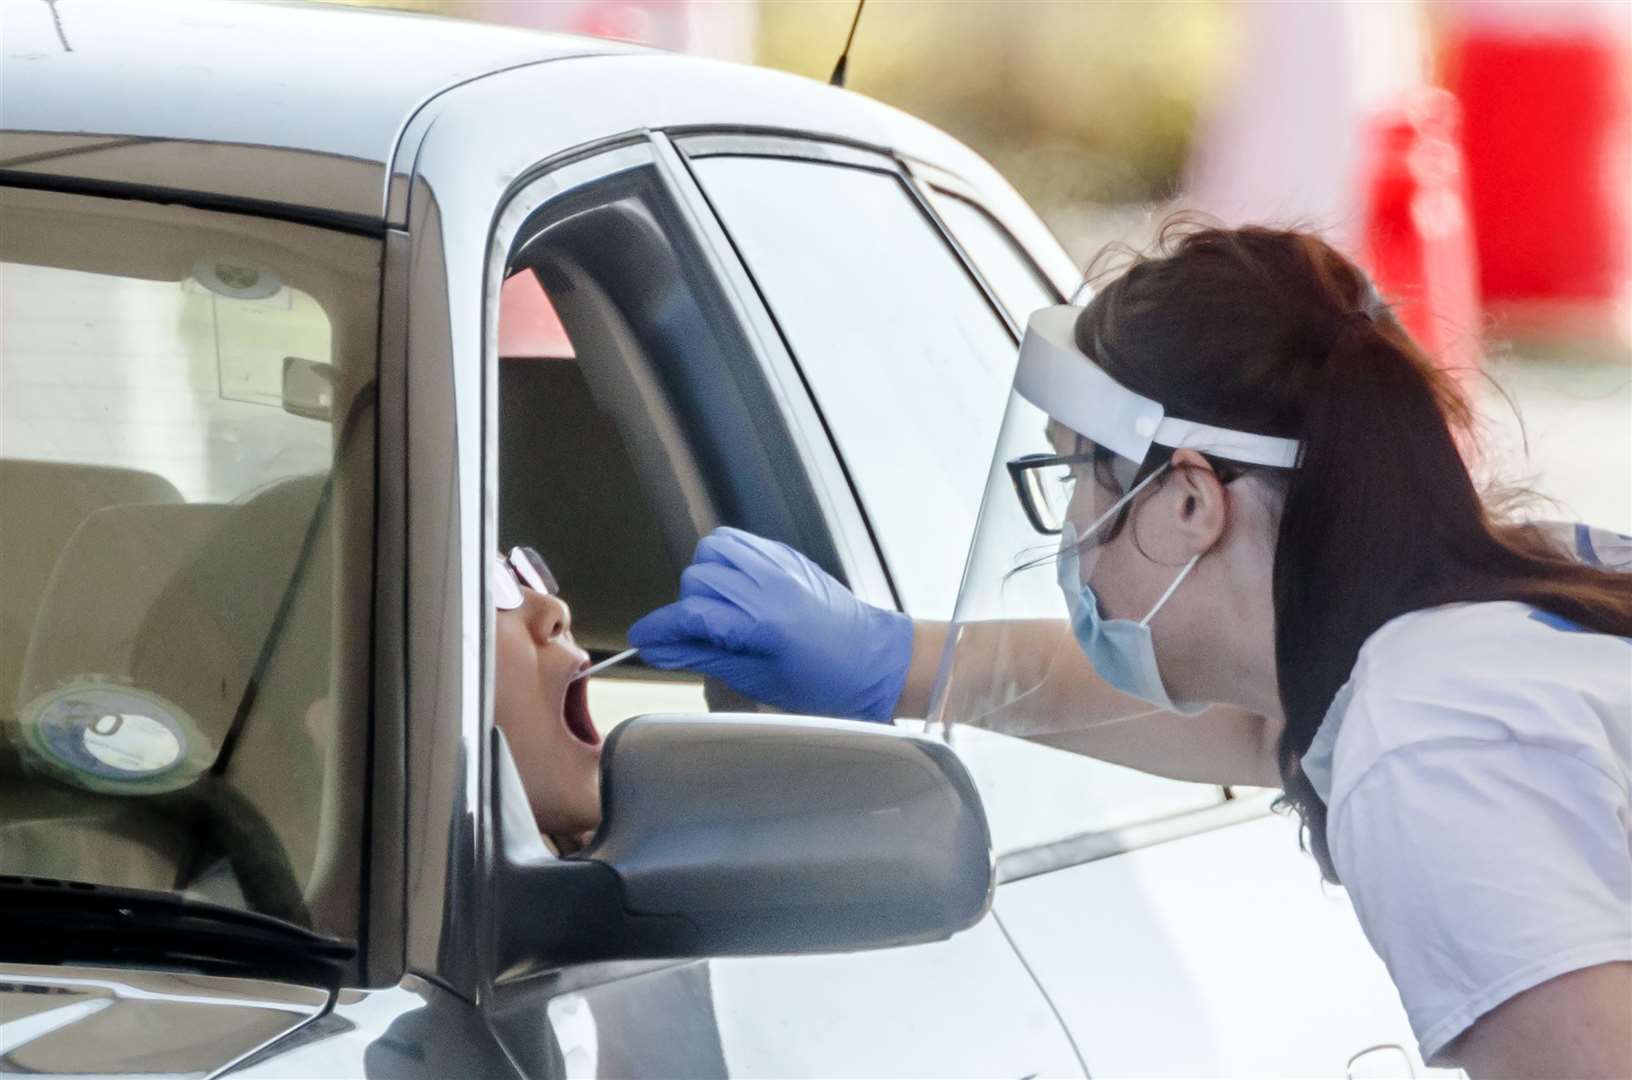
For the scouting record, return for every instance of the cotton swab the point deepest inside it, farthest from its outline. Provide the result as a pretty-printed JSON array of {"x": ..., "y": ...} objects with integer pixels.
[{"x": 604, "y": 664}]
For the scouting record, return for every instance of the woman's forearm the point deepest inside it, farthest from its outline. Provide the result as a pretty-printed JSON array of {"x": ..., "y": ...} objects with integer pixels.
[
  {"x": 1223, "y": 745},
  {"x": 928, "y": 643},
  {"x": 1065, "y": 703}
]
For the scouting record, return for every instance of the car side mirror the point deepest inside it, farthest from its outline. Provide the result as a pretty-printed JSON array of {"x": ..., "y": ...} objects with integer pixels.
[{"x": 743, "y": 835}]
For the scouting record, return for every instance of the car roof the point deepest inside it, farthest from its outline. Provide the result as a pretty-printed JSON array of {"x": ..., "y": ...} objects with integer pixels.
[
  {"x": 258, "y": 105},
  {"x": 119, "y": 91}
]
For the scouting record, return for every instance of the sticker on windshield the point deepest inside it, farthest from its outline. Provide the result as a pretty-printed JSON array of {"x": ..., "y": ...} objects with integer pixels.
[{"x": 113, "y": 738}]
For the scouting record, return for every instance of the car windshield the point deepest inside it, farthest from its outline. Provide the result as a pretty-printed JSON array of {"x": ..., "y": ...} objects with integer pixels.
[{"x": 186, "y": 476}]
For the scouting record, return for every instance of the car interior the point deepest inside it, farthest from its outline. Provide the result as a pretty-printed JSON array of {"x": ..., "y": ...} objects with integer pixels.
[
  {"x": 65, "y": 515},
  {"x": 112, "y": 579},
  {"x": 569, "y": 486},
  {"x": 135, "y": 593},
  {"x": 633, "y": 419}
]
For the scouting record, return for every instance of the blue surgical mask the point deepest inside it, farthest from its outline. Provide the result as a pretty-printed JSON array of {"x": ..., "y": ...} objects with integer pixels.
[{"x": 1121, "y": 650}]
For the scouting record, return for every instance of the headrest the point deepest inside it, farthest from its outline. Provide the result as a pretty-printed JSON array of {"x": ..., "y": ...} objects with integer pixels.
[
  {"x": 45, "y": 501},
  {"x": 81, "y": 650},
  {"x": 106, "y": 578},
  {"x": 567, "y": 484},
  {"x": 160, "y": 612},
  {"x": 202, "y": 640}
]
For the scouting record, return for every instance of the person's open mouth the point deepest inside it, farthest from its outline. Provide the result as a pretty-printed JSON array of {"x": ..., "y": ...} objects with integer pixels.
[{"x": 575, "y": 712}]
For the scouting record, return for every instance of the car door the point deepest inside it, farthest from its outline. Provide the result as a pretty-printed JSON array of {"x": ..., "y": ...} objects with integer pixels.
[
  {"x": 1165, "y": 919},
  {"x": 666, "y": 404}
]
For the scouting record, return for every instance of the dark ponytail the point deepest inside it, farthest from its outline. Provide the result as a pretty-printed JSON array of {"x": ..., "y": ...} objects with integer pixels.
[{"x": 1275, "y": 332}]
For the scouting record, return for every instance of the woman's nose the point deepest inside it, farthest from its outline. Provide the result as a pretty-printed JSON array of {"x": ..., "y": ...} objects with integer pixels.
[{"x": 547, "y": 616}]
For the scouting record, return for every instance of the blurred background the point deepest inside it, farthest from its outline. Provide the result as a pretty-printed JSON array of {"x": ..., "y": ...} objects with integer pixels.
[{"x": 1475, "y": 155}]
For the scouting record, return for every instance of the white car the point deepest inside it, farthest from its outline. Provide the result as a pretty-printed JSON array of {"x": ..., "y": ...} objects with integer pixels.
[{"x": 411, "y": 289}]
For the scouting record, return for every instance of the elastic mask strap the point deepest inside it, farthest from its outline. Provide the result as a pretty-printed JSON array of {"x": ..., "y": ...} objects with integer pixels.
[
  {"x": 1171, "y": 589},
  {"x": 1099, "y": 522}
]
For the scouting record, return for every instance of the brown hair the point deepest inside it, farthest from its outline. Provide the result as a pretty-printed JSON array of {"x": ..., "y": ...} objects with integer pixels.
[{"x": 1274, "y": 332}]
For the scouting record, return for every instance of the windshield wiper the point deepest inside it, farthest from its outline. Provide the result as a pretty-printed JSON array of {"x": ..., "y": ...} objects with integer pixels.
[{"x": 51, "y": 922}]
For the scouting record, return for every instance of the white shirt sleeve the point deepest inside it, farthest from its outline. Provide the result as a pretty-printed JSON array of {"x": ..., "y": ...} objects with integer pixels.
[{"x": 1481, "y": 868}]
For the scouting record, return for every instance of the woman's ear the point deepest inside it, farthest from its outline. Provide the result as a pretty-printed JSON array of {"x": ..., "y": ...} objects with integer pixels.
[{"x": 1203, "y": 510}]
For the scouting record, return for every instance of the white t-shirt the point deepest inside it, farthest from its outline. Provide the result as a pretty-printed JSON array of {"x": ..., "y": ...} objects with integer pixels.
[{"x": 1477, "y": 772}]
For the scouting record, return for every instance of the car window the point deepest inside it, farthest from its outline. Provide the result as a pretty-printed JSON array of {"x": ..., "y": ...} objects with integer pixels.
[
  {"x": 912, "y": 368},
  {"x": 633, "y": 416},
  {"x": 186, "y": 462},
  {"x": 1019, "y": 285},
  {"x": 908, "y": 363}
]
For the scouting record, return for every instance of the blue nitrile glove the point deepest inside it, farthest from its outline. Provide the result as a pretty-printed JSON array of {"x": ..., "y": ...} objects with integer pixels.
[{"x": 771, "y": 624}]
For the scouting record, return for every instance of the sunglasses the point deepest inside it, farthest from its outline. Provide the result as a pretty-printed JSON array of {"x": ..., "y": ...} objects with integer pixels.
[{"x": 523, "y": 568}]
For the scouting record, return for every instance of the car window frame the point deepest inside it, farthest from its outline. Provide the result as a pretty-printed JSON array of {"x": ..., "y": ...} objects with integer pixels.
[
  {"x": 867, "y": 572},
  {"x": 516, "y": 224},
  {"x": 934, "y": 193}
]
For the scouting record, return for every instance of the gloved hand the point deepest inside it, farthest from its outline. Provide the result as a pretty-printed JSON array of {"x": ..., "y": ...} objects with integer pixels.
[{"x": 759, "y": 616}]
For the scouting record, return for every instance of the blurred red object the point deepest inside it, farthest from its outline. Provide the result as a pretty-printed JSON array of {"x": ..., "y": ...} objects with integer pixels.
[
  {"x": 1415, "y": 237},
  {"x": 528, "y": 324},
  {"x": 622, "y": 22},
  {"x": 1545, "y": 101}
]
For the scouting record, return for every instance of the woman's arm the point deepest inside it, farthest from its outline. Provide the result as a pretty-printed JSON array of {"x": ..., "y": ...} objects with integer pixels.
[
  {"x": 1223, "y": 745},
  {"x": 1074, "y": 709},
  {"x": 1577, "y": 1025},
  {"x": 928, "y": 642},
  {"x": 774, "y": 626}
]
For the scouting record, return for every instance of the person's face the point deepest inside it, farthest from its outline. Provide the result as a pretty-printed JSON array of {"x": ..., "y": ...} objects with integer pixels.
[
  {"x": 1119, "y": 566},
  {"x": 544, "y": 714},
  {"x": 1088, "y": 500},
  {"x": 1093, "y": 494}
]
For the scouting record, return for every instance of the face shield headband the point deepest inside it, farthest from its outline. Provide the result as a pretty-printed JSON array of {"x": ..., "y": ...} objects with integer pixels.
[{"x": 1064, "y": 382}]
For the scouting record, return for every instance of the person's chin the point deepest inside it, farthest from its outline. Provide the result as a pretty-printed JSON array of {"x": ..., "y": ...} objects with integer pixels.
[
  {"x": 589, "y": 818},
  {"x": 574, "y": 820}
]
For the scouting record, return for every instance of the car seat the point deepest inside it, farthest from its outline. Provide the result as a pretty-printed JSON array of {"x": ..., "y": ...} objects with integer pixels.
[
  {"x": 194, "y": 603},
  {"x": 92, "y": 603},
  {"x": 44, "y": 502},
  {"x": 242, "y": 640},
  {"x": 569, "y": 488}
]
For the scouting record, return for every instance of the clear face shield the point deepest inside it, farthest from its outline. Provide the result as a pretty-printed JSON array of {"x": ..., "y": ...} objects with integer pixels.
[{"x": 1066, "y": 476}]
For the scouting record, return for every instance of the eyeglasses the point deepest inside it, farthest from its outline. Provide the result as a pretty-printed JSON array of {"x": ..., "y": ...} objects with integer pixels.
[
  {"x": 1046, "y": 483},
  {"x": 523, "y": 567}
]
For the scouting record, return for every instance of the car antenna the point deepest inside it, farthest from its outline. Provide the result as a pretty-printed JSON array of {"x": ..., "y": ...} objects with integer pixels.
[{"x": 837, "y": 78}]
